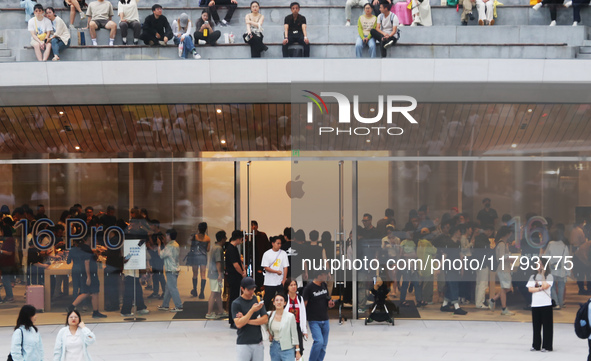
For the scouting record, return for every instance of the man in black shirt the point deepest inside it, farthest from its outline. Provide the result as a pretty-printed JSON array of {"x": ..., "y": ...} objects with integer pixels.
[
  {"x": 235, "y": 271},
  {"x": 487, "y": 216},
  {"x": 388, "y": 219},
  {"x": 156, "y": 29},
  {"x": 286, "y": 246},
  {"x": 249, "y": 314},
  {"x": 318, "y": 301},
  {"x": 295, "y": 31}
]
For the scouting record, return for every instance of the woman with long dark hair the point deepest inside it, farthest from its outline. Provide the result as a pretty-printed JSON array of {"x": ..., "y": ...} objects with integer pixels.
[
  {"x": 72, "y": 341},
  {"x": 504, "y": 272},
  {"x": 295, "y": 304},
  {"x": 26, "y": 342},
  {"x": 254, "y": 30},
  {"x": 197, "y": 257},
  {"x": 539, "y": 285}
]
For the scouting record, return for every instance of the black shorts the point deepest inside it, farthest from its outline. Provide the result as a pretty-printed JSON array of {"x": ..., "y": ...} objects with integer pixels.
[
  {"x": 94, "y": 284},
  {"x": 101, "y": 24}
]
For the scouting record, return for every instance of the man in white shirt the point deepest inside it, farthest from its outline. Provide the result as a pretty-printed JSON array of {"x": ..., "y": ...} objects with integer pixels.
[
  {"x": 275, "y": 264},
  {"x": 99, "y": 15},
  {"x": 60, "y": 39},
  {"x": 386, "y": 31},
  {"x": 40, "y": 29}
]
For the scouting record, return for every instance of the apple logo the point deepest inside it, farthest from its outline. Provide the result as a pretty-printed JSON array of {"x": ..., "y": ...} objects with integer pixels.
[{"x": 295, "y": 189}]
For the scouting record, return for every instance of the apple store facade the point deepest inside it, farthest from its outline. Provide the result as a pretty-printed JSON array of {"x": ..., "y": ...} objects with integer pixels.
[{"x": 300, "y": 162}]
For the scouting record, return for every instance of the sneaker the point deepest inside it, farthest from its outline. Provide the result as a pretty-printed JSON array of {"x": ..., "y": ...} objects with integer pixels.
[
  {"x": 223, "y": 315},
  {"x": 196, "y": 56},
  {"x": 348, "y": 23},
  {"x": 553, "y": 23},
  {"x": 448, "y": 308},
  {"x": 153, "y": 295},
  {"x": 82, "y": 15},
  {"x": 211, "y": 316},
  {"x": 386, "y": 46},
  {"x": 127, "y": 315},
  {"x": 145, "y": 311},
  {"x": 136, "y": 41},
  {"x": 575, "y": 23},
  {"x": 537, "y": 6},
  {"x": 176, "y": 309},
  {"x": 471, "y": 16},
  {"x": 459, "y": 311},
  {"x": 533, "y": 349},
  {"x": 492, "y": 22},
  {"x": 482, "y": 307},
  {"x": 506, "y": 312},
  {"x": 162, "y": 308},
  {"x": 491, "y": 304},
  {"x": 97, "y": 314},
  {"x": 124, "y": 41},
  {"x": 202, "y": 42},
  {"x": 464, "y": 23},
  {"x": 223, "y": 22},
  {"x": 161, "y": 43},
  {"x": 568, "y": 4},
  {"x": 481, "y": 22},
  {"x": 72, "y": 27}
]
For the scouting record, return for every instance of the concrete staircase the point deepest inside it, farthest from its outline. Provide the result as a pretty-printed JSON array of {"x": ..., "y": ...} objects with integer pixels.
[
  {"x": 5, "y": 53},
  {"x": 519, "y": 32}
]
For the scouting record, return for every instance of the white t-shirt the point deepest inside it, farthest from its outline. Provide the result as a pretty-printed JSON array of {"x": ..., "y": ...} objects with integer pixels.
[
  {"x": 542, "y": 298},
  {"x": 74, "y": 347},
  {"x": 276, "y": 261},
  {"x": 388, "y": 23},
  {"x": 40, "y": 26},
  {"x": 129, "y": 10}
]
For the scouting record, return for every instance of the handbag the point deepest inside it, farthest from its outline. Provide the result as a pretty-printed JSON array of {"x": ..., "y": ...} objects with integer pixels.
[
  {"x": 22, "y": 351},
  {"x": 247, "y": 37}
]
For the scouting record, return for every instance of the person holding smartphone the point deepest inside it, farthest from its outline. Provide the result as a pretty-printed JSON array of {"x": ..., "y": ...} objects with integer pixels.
[
  {"x": 249, "y": 314},
  {"x": 539, "y": 286},
  {"x": 72, "y": 341}
]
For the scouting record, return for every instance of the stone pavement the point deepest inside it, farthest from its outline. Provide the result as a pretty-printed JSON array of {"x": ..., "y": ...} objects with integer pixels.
[{"x": 409, "y": 339}]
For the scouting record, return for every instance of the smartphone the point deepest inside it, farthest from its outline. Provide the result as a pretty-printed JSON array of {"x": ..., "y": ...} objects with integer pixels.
[{"x": 128, "y": 257}]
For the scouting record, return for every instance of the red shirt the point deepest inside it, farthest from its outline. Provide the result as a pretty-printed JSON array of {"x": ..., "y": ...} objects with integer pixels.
[{"x": 294, "y": 307}]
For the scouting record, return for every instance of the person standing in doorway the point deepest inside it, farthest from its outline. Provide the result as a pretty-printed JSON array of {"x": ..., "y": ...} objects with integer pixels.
[
  {"x": 170, "y": 256},
  {"x": 197, "y": 258},
  {"x": 275, "y": 264},
  {"x": 216, "y": 276}
]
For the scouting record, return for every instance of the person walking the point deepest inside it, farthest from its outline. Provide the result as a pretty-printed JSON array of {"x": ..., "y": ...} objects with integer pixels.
[
  {"x": 283, "y": 332},
  {"x": 318, "y": 301},
  {"x": 26, "y": 342},
  {"x": 235, "y": 271},
  {"x": 249, "y": 314},
  {"x": 72, "y": 341},
  {"x": 170, "y": 256},
  {"x": 295, "y": 304},
  {"x": 541, "y": 308}
]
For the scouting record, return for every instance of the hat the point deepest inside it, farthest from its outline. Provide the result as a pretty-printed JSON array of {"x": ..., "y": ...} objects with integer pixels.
[
  {"x": 247, "y": 283},
  {"x": 184, "y": 20},
  {"x": 425, "y": 231}
]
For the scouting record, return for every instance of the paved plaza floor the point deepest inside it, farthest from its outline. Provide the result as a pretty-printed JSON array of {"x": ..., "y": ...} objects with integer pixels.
[{"x": 407, "y": 340}]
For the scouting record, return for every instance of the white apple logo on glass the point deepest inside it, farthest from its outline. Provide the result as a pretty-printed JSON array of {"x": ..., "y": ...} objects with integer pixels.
[{"x": 295, "y": 188}]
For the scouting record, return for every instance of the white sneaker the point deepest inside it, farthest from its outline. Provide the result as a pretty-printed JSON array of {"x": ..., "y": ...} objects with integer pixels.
[
  {"x": 537, "y": 6},
  {"x": 196, "y": 56},
  {"x": 82, "y": 15},
  {"x": 388, "y": 44},
  {"x": 568, "y": 4},
  {"x": 202, "y": 42},
  {"x": 506, "y": 312},
  {"x": 72, "y": 27},
  {"x": 145, "y": 311},
  {"x": 348, "y": 23},
  {"x": 575, "y": 23},
  {"x": 224, "y": 22},
  {"x": 553, "y": 23}
]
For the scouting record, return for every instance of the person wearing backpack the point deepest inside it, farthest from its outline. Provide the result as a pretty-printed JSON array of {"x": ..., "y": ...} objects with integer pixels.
[
  {"x": 541, "y": 308},
  {"x": 503, "y": 270},
  {"x": 386, "y": 31}
]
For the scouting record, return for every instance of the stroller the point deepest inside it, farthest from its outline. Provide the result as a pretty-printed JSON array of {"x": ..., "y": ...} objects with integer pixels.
[{"x": 379, "y": 310}]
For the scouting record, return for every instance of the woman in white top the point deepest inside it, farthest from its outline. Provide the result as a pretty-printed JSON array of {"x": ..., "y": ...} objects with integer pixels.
[
  {"x": 129, "y": 18},
  {"x": 541, "y": 308},
  {"x": 26, "y": 342},
  {"x": 72, "y": 341},
  {"x": 503, "y": 270},
  {"x": 296, "y": 306},
  {"x": 254, "y": 30},
  {"x": 283, "y": 333},
  {"x": 557, "y": 250}
]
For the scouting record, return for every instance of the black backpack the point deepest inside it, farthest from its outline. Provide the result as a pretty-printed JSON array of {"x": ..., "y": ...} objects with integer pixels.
[{"x": 582, "y": 327}]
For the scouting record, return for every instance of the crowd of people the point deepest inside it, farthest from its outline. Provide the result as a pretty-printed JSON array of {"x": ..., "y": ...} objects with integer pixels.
[
  {"x": 379, "y": 24},
  {"x": 273, "y": 268}
]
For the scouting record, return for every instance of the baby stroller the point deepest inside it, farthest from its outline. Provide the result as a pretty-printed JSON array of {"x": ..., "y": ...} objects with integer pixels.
[{"x": 379, "y": 310}]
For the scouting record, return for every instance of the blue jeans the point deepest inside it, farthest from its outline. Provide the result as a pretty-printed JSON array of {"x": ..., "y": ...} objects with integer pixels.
[
  {"x": 188, "y": 46},
  {"x": 172, "y": 291},
  {"x": 57, "y": 45},
  {"x": 558, "y": 290},
  {"x": 452, "y": 291},
  {"x": 278, "y": 355},
  {"x": 371, "y": 43},
  {"x": 319, "y": 330}
]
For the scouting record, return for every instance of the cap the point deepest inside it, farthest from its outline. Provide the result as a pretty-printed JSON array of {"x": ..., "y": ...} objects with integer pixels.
[
  {"x": 247, "y": 283},
  {"x": 184, "y": 20}
]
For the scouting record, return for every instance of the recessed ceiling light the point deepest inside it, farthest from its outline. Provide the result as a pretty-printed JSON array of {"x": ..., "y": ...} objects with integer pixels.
[
  {"x": 61, "y": 113},
  {"x": 368, "y": 141},
  {"x": 529, "y": 110},
  {"x": 219, "y": 111},
  {"x": 77, "y": 147},
  {"x": 372, "y": 110},
  {"x": 223, "y": 141},
  {"x": 513, "y": 145}
]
